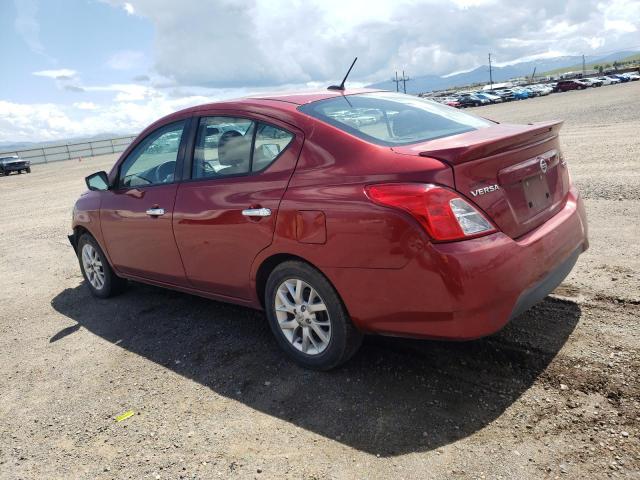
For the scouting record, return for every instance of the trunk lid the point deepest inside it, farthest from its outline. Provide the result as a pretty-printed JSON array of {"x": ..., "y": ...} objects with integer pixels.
[{"x": 514, "y": 173}]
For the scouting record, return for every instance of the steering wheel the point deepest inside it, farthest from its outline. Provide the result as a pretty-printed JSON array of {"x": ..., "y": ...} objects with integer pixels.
[{"x": 164, "y": 173}]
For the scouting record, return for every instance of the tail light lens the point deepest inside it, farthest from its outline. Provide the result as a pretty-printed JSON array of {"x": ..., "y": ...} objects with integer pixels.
[{"x": 442, "y": 212}]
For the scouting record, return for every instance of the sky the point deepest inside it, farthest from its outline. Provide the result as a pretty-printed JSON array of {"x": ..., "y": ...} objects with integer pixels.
[{"x": 77, "y": 68}]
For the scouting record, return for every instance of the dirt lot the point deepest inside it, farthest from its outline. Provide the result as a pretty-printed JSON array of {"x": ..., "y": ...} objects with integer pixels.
[{"x": 556, "y": 394}]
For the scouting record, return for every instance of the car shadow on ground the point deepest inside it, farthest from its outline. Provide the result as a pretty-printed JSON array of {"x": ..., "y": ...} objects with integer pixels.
[{"x": 395, "y": 396}]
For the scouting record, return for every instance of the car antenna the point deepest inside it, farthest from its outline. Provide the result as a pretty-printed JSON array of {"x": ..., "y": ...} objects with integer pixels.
[{"x": 341, "y": 86}]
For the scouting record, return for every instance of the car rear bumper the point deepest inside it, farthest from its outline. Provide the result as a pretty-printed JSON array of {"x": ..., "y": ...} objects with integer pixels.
[{"x": 466, "y": 290}]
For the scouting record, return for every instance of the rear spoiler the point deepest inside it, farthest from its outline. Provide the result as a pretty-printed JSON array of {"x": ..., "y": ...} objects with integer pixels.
[{"x": 486, "y": 142}]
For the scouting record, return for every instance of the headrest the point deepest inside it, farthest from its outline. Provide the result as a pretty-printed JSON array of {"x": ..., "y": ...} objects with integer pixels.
[{"x": 232, "y": 148}]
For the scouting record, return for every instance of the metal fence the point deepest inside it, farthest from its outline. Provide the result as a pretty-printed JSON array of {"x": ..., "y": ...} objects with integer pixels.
[{"x": 55, "y": 153}]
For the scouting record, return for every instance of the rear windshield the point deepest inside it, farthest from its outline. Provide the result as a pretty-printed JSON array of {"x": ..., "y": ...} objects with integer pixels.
[{"x": 387, "y": 118}]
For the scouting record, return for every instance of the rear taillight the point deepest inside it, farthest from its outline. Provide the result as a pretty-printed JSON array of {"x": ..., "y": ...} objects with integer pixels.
[{"x": 443, "y": 213}]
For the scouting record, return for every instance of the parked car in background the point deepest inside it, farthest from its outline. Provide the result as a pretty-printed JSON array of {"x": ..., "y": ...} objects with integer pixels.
[
  {"x": 614, "y": 80},
  {"x": 620, "y": 77},
  {"x": 541, "y": 89},
  {"x": 530, "y": 91},
  {"x": 451, "y": 102},
  {"x": 488, "y": 96},
  {"x": 427, "y": 223},
  {"x": 505, "y": 94},
  {"x": 519, "y": 93},
  {"x": 606, "y": 80},
  {"x": 566, "y": 85},
  {"x": 469, "y": 100},
  {"x": 592, "y": 82},
  {"x": 14, "y": 163},
  {"x": 632, "y": 76}
]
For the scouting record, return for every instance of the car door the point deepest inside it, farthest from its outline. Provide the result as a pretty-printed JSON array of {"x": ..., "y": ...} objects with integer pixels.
[
  {"x": 226, "y": 213},
  {"x": 136, "y": 214}
]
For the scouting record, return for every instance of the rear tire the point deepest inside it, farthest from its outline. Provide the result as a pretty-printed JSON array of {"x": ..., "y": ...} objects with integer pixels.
[
  {"x": 98, "y": 274},
  {"x": 308, "y": 318},
  {"x": 28, "y": 170}
]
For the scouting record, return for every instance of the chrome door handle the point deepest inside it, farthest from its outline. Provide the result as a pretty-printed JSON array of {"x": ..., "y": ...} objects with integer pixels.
[
  {"x": 155, "y": 212},
  {"x": 256, "y": 212}
]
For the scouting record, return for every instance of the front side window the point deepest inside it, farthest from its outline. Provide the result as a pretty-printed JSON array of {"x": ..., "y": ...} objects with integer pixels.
[
  {"x": 228, "y": 146},
  {"x": 153, "y": 161},
  {"x": 390, "y": 119}
]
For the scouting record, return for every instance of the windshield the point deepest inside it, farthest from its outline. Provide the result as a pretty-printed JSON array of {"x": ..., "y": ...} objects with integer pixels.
[{"x": 387, "y": 118}]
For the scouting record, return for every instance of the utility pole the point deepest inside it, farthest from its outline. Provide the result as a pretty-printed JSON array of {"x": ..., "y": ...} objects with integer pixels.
[
  {"x": 397, "y": 82},
  {"x": 404, "y": 79},
  {"x": 490, "y": 73},
  {"x": 584, "y": 70}
]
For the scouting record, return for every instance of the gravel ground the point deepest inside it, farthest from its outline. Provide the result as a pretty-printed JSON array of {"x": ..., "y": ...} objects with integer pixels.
[{"x": 556, "y": 394}]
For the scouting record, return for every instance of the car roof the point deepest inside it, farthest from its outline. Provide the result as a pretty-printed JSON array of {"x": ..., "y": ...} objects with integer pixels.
[
  {"x": 278, "y": 105},
  {"x": 295, "y": 98},
  {"x": 301, "y": 98}
]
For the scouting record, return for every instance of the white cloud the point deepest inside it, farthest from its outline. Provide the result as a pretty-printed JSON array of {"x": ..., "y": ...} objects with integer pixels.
[
  {"x": 61, "y": 73},
  {"x": 205, "y": 51},
  {"x": 22, "y": 122},
  {"x": 271, "y": 42},
  {"x": 126, "y": 92},
  {"x": 27, "y": 25},
  {"x": 85, "y": 105},
  {"x": 49, "y": 121},
  {"x": 125, "y": 60},
  {"x": 623, "y": 26},
  {"x": 136, "y": 107}
]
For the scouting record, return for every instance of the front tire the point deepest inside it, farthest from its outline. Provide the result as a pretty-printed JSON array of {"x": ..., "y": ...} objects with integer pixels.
[
  {"x": 28, "y": 170},
  {"x": 307, "y": 317},
  {"x": 98, "y": 274}
]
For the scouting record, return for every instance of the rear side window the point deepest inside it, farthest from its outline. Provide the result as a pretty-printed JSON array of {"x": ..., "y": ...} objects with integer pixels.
[
  {"x": 223, "y": 147},
  {"x": 228, "y": 146},
  {"x": 270, "y": 142},
  {"x": 387, "y": 118}
]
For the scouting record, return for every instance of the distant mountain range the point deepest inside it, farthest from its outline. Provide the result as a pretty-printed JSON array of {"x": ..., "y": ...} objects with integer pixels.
[{"x": 427, "y": 83}]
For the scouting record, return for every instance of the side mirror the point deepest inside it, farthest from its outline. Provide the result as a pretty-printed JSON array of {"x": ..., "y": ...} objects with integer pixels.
[
  {"x": 212, "y": 131},
  {"x": 97, "y": 181}
]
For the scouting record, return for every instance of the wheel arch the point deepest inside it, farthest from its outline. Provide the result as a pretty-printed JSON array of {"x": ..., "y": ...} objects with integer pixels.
[
  {"x": 270, "y": 263},
  {"x": 81, "y": 229}
]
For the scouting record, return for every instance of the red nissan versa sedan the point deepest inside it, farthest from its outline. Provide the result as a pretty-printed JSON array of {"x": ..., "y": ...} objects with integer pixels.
[{"x": 339, "y": 213}]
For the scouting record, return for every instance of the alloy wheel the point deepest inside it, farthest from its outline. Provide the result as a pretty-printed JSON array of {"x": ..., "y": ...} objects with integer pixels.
[
  {"x": 303, "y": 316},
  {"x": 93, "y": 267}
]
